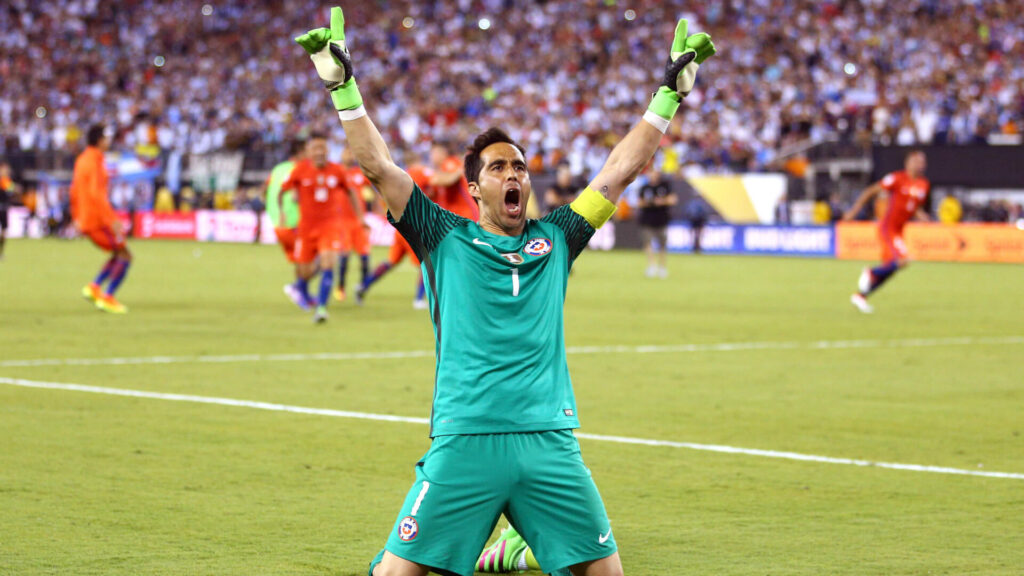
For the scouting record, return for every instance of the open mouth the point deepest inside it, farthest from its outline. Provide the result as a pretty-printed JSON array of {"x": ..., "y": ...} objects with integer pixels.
[{"x": 513, "y": 202}]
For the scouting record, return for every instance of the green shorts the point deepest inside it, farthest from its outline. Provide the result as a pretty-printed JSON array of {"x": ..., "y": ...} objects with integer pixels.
[{"x": 537, "y": 479}]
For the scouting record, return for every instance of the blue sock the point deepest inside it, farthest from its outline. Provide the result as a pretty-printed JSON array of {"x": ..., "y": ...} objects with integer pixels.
[
  {"x": 117, "y": 275},
  {"x": 342, "y": 271},
  {"x": 105, "y": 272},
  {"x": 302, "y": 285},
  {"x": 364, "y": 267},
  {"x": 326, "y": 281},
  {"x": 421, "y": 291},
  {"x": 377, "y": 274},
  {"x": 882, "y": 273}
]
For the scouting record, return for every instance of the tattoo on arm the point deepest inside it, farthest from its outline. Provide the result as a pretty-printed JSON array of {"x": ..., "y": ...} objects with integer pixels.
[{"x": 604, "y": 191}]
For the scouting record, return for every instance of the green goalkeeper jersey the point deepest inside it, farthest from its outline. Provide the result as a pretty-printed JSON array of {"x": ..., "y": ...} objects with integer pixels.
[
  {"x": 496, "y": 304},
  {"x": 278, "y": 176}
]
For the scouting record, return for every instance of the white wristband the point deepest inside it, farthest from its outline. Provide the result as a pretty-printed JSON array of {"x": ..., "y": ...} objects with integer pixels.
[
  {"x": 349, "y": 115},
  {"x": 657, "y": 121}
]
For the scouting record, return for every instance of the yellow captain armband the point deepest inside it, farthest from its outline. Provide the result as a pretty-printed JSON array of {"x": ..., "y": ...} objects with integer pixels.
[{"x": 594, "y": 207}]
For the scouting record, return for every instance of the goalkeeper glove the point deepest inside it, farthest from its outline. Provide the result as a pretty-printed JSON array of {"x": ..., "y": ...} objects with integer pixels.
[
  {"x": 688, "y": 53},
  {"x": 327, "y": 50}
]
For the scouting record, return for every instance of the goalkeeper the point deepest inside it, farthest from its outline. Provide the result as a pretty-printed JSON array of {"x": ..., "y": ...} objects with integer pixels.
[{"x": 503, "y": 409}]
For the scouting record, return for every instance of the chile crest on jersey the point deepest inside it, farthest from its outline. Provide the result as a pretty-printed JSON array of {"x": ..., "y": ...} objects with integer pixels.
[{"x": 537, "y": 247}]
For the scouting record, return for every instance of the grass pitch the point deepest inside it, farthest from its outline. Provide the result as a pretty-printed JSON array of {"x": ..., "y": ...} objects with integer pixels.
[{"x": 99, "y": 484}]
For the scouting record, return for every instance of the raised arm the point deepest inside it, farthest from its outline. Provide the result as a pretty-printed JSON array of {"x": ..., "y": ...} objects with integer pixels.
[
  {"x": 629, "y": 157},
  {"x": 869, "y": 193},
  {"x": 445, "y": 179},
  {"x": 327, "y": 50}
]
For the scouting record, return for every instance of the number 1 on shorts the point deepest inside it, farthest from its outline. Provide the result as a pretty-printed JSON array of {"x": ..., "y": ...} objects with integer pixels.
[{"x": 419, "y": 499}]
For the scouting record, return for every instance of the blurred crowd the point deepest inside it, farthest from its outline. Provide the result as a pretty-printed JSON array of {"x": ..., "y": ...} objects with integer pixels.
[{"x": 567, "y": 78}]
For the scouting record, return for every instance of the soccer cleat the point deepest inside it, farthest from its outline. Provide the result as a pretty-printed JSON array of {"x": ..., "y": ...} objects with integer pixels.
[
  {"x": 295, "y": 295},
  {"x": 320, "y": 316},
  {"x": 360, "y": 294},
  {"x": 503, "y": 556},
  {"x": 339, "y": 294},
  {"x": 861, "y": 303},
  {"x": 419, "y": 304},
  {"x": 108, "y": 303},
  {"x": 91, "y": 292},
  {"x": 864, "y": 282}
]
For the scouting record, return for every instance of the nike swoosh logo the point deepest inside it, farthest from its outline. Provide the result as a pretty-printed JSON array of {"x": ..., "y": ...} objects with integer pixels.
[
  {"x": 480, "y": 242},
  {"x": 602, "y": 538}
]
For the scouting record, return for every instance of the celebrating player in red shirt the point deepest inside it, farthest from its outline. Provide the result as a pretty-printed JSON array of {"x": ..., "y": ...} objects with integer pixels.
[
  {"x": 907, "y": 190},
  {"x": 90, "y": 208},
  {"x": 322, "y": 191}
]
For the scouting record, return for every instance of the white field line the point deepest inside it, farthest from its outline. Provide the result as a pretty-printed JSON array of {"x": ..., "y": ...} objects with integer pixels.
[
  {"x": 596, "y": 437},
  {"x": 572, "y": 350}
]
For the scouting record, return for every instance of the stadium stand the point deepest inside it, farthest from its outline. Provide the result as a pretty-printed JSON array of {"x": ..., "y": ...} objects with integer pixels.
[{"x": 562, "y": 73}]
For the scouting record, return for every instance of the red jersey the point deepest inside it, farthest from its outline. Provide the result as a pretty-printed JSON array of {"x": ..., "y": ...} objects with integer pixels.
[
  {"x": 456, "y": 197},
  {"x": 906, "y": 195},
  {"x": 421, "y": 175},
  {"x": 90, "y": 206},
  {"x": 322, "y": 193}
]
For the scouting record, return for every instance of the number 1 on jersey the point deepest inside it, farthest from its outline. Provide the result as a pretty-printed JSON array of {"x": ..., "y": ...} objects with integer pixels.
[{"x": 515, "y": 282}]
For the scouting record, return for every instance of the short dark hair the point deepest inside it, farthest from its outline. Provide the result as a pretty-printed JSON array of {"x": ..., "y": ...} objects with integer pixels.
[
  {"x": 913, "y": 152},
  {"x": 95, "y": 134},
  {"x": 473, "y": 163},
  {"x": 316, "y": 135},
  {"x": 296, "y": 147}
]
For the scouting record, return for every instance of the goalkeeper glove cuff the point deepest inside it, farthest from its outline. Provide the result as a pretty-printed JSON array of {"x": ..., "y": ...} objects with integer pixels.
[
  {"x": 663, "y": 108},
  {"x": 346, "y": 97},
  {"x": 350, "y": 115}
]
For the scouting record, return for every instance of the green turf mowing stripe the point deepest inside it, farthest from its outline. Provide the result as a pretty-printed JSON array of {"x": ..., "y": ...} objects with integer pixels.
[
  {"x": 574, "y": 350},
  {"x": 597, "y": 437}
]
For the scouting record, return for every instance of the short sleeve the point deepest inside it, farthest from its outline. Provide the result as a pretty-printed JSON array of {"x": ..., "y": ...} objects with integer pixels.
[
  {"x": 290, "y": 182},
  {"x": 424, "y": 224},
  {"x": 578, "y": 231},
  {"x": 889, "y": 181}
]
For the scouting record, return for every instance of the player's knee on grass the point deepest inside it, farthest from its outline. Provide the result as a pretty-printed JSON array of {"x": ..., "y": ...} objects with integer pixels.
[
  {"x": 392, "y": 565},
  {"x": 609, "y": 566},
  {"x": 124, "y": 254}
]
